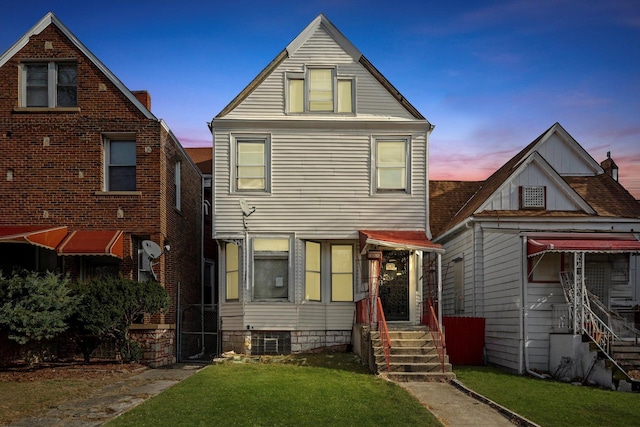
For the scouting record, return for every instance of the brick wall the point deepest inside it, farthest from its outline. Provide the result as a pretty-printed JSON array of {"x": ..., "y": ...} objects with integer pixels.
[{"x": 52, "y": 173}]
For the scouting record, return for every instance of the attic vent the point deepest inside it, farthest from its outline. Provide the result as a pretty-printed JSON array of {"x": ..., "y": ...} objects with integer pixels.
[{"x": 532, "y": 197}]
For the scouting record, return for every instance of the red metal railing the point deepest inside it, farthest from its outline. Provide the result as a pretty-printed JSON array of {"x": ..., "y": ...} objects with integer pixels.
[
  {"x": 384, "y": 334},
  {"x": 438, "y": 335}
]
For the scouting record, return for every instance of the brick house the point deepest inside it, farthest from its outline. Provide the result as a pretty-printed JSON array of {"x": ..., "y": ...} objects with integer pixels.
[{"x": 89, "y": 173}]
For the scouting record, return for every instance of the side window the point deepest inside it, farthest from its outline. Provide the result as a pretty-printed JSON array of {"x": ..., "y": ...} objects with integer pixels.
[
  {"x": 177, "y": 184},
  {"x": 232, "y": 270},
  {"x": 251, "y": 169},
  {"x": 270, "y": 268},
  {"x": 391, "y": 165},
  {"x": 312, "y": 272},
  {"x": 120, "y": 165},
  {"x": 341, "y": 273},
  {"x": 49, "y": 84}
]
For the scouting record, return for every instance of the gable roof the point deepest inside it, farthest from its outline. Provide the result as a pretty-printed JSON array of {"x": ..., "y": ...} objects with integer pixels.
[
  {"x": 320, "y": 21},
  {"x": 202, "y": 157},
  {"x": 50, "y": 19},
  {"x": 600, "y": 194}
]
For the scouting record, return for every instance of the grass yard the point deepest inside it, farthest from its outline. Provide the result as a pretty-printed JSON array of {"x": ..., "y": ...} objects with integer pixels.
[
  {"x": 550, "y": 403},
  {"x": 309, "y": 390}
]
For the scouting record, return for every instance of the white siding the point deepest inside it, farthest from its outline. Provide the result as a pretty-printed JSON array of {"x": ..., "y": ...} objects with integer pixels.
[
  {"x": 502, "y": 299},
  {"x": 372, "y": 99},
  {"x": 563, "y": 158},
  {"x": 509, "y": 198},
  {"x": 320, "y": 187},
  {"x": 540, "y": 300},
  {"x": 459, "y": 246}
]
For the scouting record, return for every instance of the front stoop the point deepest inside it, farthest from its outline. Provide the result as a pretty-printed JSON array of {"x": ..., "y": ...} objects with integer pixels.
[
  {"x": 626, "y": 354},
  {"x": 413, "y": 357}
]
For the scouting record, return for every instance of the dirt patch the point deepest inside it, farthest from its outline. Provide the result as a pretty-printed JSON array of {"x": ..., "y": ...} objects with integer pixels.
[{"x": 27, "y": 392}]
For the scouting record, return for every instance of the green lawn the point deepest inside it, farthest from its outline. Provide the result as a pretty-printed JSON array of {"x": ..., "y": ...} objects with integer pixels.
[
  {"x": 312, "y": 390},
  {"x": 550, "y": 403}
]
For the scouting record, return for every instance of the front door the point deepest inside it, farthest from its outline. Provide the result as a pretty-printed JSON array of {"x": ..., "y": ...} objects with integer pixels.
[{"x": 394, "y": 285}]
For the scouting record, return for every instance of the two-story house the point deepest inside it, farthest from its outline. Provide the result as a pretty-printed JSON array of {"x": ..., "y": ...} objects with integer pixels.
[
  {"x": 319, "y": 164},
  {"x": 92, "y": 182}
]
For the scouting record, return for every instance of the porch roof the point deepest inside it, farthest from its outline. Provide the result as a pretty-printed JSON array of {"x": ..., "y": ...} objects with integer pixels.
[
  {"x": 620, "y": 243},
  {"x": 93, "y": 242},
  {"x": 45, "y": 236},
  {"x": 402, "y": 239}
]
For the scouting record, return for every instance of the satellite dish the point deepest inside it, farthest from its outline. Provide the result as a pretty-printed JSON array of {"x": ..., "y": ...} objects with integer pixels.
[
  {"x": 151, "y": 248},
  {"x": 246, "y": 209}
]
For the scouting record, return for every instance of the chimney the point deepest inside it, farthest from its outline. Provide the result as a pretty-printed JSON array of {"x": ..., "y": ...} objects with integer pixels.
[
  {"x": 144, "y": 97},
  {"x": 610, "y": 166}
]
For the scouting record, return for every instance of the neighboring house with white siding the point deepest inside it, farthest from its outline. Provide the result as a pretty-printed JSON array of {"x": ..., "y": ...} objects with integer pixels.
[
  {"x": 318, "y": 152},
  {"x": 550, "y": 208}
]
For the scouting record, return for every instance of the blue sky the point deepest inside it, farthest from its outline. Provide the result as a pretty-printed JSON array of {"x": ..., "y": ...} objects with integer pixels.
[{"x": 491, "y": 75}]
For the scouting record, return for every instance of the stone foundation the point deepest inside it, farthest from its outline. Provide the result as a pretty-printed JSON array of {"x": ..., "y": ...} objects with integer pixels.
[
  {"x": 158, "y": 343},
  {"x": 301, "y": 341}
]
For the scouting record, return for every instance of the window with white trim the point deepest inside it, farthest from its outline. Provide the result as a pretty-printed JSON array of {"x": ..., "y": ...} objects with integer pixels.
[
  {"x": 120, "y": 165},
  {"x": 320, "y": 90},
  {"x": 533, "y": 197},
  {"x": 341, "y": 273},
  {"x": 232, "y": 271},
  {"x": 312, "y": 282},
  {"x": 251, "y": 163},
  {"x": 49, "y": 84},
  {"x": 391, "y": 164},
  {"x": 270, "y": 268}
]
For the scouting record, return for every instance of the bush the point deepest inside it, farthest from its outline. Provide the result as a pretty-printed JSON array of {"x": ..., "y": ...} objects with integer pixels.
[
  {"x": 34, "y": 308},
  {"x": 108, "y": 307}
]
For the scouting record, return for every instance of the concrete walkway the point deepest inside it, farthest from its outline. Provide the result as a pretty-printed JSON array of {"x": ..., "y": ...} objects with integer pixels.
[{"x": 456, "y": 406}]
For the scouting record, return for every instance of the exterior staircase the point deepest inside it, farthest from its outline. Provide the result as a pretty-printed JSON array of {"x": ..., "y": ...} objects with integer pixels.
[
  {"x": 627, "y": 355},
  {"x": 413, "y": 356}
]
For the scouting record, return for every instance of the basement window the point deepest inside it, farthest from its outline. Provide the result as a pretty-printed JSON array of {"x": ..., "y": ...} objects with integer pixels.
[{"x": 264, "y": 343}]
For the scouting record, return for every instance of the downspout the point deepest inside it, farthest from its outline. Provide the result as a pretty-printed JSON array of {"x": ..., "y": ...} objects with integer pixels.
[{"x": 523, "y": 320}]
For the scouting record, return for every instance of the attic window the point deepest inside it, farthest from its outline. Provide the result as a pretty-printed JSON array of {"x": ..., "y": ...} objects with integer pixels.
[
  {"x": 533, "y": 197},
  {"x": 49, "y": 84},
  {"x": 319, "y": 90}
]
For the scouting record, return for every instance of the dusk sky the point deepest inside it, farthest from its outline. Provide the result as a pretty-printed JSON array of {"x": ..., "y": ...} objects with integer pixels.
[{"x": 490, "y": 75}]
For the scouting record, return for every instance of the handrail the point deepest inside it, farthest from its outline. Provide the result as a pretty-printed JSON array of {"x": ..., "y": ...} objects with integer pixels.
[
  {"x": 384, "y": 334},
  {"x": 438, "y": 335}
]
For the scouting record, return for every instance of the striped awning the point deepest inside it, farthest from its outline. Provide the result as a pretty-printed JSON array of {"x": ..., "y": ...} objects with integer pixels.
[
  {"x": 93, "y": 242},
  {"x": 621, "y": 243},
  {"x": 47, "y": 237}
]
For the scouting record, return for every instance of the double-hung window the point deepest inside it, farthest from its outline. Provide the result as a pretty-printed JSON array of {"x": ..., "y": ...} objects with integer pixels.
[
  {"x": 341, "y": 273},
  {"x": 120, "y": 161},
  {"x": 177, "y": 182},
  {"x": 391, "y": 164},
  {"x": 320, "y": 90},
  {"x": 251, "y": 168},
  {"x": 270, "y": 268},
  {"x": 312, "y": 271},
  {"x": 49, "y": 84},
  {"x": 232, "y": 270}
]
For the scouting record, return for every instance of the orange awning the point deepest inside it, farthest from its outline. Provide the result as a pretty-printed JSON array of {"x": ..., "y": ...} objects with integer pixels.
[
  {"x": 408, "y": 240},
  {"x": 577, "y": 243},
  {"x": 92, "y": 242},
  {"x": 40, "y": 235}
]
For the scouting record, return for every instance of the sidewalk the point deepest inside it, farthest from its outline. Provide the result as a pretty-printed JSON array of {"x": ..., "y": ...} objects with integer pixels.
[
  {"x": 112, "y": 400},
  {"x": 456, "y": 406}
]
